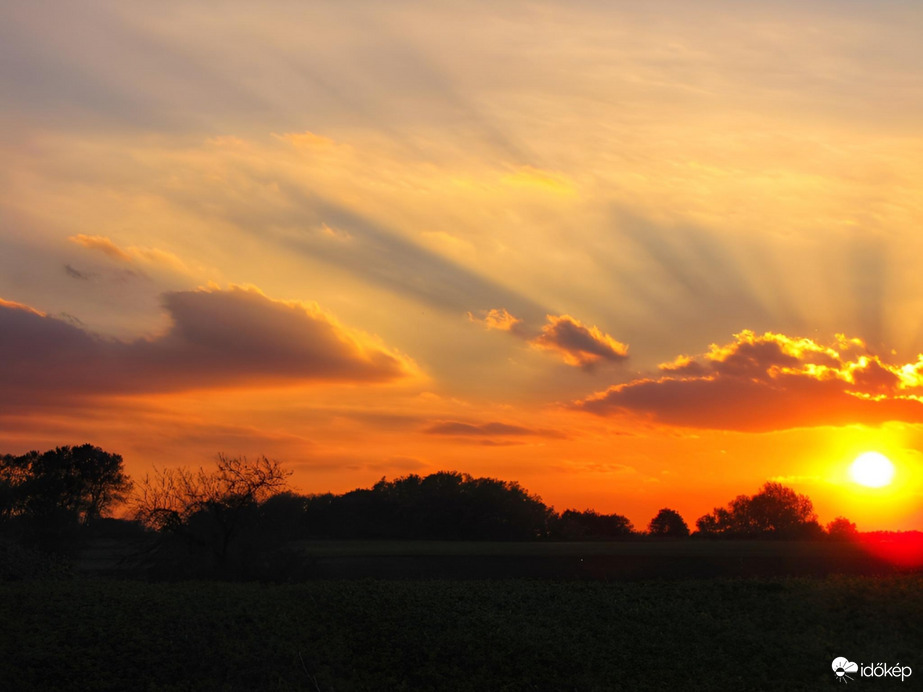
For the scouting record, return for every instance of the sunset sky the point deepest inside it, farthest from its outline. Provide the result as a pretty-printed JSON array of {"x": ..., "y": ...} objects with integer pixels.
[{"x": 631, "y": 255}]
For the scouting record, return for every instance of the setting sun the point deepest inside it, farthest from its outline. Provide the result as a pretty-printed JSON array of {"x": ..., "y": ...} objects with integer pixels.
[{"x": 872, "y": 469}]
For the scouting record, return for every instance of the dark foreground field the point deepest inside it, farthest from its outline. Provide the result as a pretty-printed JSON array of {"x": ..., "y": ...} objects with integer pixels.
[
  {"x": 413, "y": 634},
  {"x": 601, "y": 560}
]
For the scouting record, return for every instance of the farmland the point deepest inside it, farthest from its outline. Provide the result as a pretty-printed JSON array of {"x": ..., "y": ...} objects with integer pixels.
[
  {"x": 596, "y": 560},
  {"x": 419, "y": 630}
]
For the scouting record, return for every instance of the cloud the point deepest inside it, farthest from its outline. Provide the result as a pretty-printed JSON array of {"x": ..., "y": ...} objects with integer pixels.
[
  {"x": 772, "y": 382},
  {"x": 562, "y": 335},
  {"x": 144, "y": 255},
  {"x": 491, "y": 429},
  {"x": 578, "y": 345},
  {"x": 102, "y": 244},
  {"x": 499, "y": 319},
  {"x": 217, "y": 338},
  {"x": 13, "y": 305},
  {"x": 76, "y": 273}
]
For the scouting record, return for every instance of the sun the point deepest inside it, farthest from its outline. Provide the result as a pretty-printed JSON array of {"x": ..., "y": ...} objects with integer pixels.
[{"x": 872, "y": 469}]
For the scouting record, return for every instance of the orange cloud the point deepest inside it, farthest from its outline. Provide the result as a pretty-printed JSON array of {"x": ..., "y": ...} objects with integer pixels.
[
  {"x": 101, "y": 243},
  {"x": 562, "y": 335},
  {"x": 458, "y": 428},
  {"x": 13, "y": 305},
  {"x": 772, "y": 382},
  {"x": 497, "y": 318},
  {"x": 578, "y": 345},
  {"x": 218, "y": 338},
  {"x": 144, "y": 255}
]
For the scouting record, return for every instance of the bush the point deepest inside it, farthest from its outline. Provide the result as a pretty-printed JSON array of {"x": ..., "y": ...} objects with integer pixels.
[{"x": 18, "y": 563}]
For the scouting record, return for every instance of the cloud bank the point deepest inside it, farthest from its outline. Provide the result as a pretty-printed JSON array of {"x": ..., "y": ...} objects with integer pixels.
[
  {"x": 772, "y": 382},
  {"x": 217, "y": 338}
]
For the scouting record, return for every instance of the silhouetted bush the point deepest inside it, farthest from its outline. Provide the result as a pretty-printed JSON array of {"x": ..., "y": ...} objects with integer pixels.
[{"x": 19, "y": 562}]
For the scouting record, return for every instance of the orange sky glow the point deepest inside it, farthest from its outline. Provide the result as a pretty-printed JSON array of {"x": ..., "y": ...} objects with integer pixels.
[{"x": 630, "y": 255}]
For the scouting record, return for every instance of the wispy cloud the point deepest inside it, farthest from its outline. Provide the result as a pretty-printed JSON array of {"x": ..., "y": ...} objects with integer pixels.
[
  {"x": 101, "y": 243},
  {"x": 490, "y": 429},
  {"x": 144, "y": 255}
]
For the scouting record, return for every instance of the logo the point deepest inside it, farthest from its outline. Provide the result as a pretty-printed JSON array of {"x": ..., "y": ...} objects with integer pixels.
[{"x": 842, "y": 667}]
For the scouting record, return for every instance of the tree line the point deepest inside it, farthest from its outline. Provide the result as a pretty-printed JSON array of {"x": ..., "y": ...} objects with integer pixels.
[{"x": 239, "y": 508}]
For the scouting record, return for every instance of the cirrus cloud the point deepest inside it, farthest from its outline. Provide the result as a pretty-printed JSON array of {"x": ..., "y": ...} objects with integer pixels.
[{"x": 772, "y": 382}]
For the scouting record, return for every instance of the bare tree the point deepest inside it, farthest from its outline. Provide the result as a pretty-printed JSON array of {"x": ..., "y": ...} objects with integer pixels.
[{"x": 208, "y": 508}]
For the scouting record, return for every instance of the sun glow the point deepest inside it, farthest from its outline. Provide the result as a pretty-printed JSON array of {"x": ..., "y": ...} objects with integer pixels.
[{"x": 872, "y": 469}]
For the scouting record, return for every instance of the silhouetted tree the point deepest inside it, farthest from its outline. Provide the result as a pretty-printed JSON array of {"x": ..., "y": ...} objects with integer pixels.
[
  {"x": 14, "y": 474},
  {"x": 282, "y": 516},
  {"x": 444, "y": 505},
  {"x": 775, "y": 511},
  {"x": 842, "y": 529},
  {"x": 209, "y": 509},
  {"x": 590, "y": 525},
  {"x": 66, "y": 484},
  {"x": 668, "y": 523}
]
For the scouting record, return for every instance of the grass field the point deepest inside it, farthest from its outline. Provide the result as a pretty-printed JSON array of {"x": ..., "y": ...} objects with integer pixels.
[
  {"x": 511, "y": 634},
  {"x": 632, "y": 559}
]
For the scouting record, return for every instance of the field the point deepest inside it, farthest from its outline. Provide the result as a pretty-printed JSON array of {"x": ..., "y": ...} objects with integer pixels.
[
  {"x": 413, "y": 633},
  {"x": 632, "y": 559}
]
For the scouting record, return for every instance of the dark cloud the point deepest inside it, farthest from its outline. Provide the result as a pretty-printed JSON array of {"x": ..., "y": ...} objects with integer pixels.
[
  {"x": 771, "y": 382},
  {"x": 563, "y": 335},
  {"x": 216, "y": 339},
  {"x": 577, "y": 344},
  {"x": 492, "y": 429},
  {"x": 76, "y": 273}
]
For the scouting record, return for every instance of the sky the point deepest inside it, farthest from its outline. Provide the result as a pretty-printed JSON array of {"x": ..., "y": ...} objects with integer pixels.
[{"x": 630, "y": 255}]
